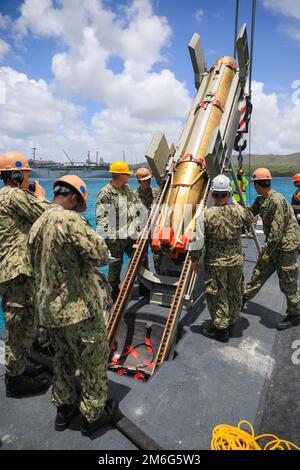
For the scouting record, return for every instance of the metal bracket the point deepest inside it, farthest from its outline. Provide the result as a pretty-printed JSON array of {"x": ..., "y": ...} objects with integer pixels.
[
  {"x": 216, "y": 154},
  {"x": 157, "y": 155},
  {"x": 197, "y": 58},
  {"x": 243, "y": 54}
]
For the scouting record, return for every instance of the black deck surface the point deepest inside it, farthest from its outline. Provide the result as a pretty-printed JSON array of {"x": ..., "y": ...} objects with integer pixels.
[{"x": 252, "y": 377}]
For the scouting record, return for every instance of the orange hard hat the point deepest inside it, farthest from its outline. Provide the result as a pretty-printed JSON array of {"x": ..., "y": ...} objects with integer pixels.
[
  {"x": 261, "y": 174},
  {"x": 143, "y": 174},
  {"x": 120, "y": 167},
  {"x": 296, "y": 177},
  {"x": 76, "y": 183},
  {"x": 13, "y": 161}
]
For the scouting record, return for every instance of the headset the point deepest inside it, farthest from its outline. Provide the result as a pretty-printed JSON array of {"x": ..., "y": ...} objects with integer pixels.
[{"x": 17, "y": 177}]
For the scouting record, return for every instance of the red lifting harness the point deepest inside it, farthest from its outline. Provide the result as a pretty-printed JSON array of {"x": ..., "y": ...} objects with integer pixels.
[
  {"x": 133, "y": 350},
  {"x": 205, "y": 103},
  {"x": 189, "y": 158}
]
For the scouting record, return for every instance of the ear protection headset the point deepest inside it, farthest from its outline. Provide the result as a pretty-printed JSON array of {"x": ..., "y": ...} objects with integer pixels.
[{"x": 17, "y": 177}]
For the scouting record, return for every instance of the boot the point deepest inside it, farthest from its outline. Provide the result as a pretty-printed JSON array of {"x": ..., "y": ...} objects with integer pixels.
[
  {"x": 33, "y": 370},
  {"x": 288, "y": 322},
  {"x": 107, "y": 417},
  {"x": 215, "y": 333},
  {"x": 64, "y": 416},
  {"x": 22, "y": 385}
]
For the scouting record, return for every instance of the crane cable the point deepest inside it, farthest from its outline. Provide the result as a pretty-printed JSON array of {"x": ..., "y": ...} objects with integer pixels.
[
  {"x": 236, "y": 27},
  {"x": 250, "y": 84},
  {"x": 226, "y": 437}
]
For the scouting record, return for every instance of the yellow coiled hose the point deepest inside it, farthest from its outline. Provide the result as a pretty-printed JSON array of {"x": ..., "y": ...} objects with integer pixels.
[{"x": 225, "y": 437}]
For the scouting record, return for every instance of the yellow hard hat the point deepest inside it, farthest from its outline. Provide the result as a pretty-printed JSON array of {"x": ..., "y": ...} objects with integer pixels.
[
  {"x": 261, "y": 174},
  {"x": 11, "y": 161},
  {"x": 76, "y": 183},
  {"x": 120, "y": 167},
  {"x": 143, "y": 174}
]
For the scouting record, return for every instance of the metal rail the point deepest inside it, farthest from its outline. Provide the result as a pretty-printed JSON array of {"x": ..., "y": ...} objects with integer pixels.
[
  {"x": 133, "y": 267},
  {"x": 175, "y": 310}
]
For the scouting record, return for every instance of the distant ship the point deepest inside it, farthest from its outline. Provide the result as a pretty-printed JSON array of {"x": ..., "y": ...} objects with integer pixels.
[{"x": 52, "y": 169}]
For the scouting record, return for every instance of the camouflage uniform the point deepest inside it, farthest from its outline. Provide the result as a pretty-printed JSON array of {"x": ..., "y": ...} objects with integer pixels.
[
  {"x": 119, "y": 236},
  {"x": 147, "y": 198},
  {"x": 296, "y": 204},
  {"x": 223, "y": 262},
  {"x": 63, "y": 250},
  {"x": 282, "y": 243},
  {"x": 19, "y": 209}
]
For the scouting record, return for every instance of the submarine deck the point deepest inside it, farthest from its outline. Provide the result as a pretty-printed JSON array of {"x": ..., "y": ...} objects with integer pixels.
[{"x": 252, "y": 377}]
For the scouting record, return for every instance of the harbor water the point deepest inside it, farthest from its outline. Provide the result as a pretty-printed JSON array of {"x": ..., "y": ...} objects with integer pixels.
[{"x": 282, "y": 185}]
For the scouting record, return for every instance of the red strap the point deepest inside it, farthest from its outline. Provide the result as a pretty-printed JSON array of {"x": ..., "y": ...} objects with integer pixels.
[
  {"x": 131, "y": 350},
  {"x": 218, "y": 104},
  {"x": 115, "y": 359},
  {"x": 148, "y": 363},
  {"x": 139, "y": 376},
  {"x": 121, "y": 371},
  {"x": 148, "y": 344}
]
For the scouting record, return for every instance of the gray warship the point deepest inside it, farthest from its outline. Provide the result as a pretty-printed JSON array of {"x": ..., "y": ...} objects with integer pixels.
[{"x": 86, "y": 169}]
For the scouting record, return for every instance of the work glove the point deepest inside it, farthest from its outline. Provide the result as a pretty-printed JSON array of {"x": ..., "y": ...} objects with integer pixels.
[
  {"x": 196, "y": 265},
  {"x": 265, "y": 258},
  {"x": 39, "y": 191}
]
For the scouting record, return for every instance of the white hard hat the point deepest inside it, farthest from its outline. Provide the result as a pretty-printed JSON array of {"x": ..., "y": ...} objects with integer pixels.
[{"x": 221, "y": 184}]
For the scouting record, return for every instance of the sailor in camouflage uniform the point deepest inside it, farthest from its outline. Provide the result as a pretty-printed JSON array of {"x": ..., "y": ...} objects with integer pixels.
[
  {"x": 223, "y": 225},
  {"x": 19, "y": 209},
  {"x": 281, "y": 246},
  {"x": 296, "y": 197},
  {"x": 115, "y": 216},
  {"x": 146, "y": 195},
  {"x": 63, "y": 250}
]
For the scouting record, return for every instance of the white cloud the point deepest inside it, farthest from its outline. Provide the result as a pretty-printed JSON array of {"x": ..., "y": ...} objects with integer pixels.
[
  {"x": 292, "y": 31},
  {"x": 5, "y": 21},
  {"x": 4, "y": 48},
  {"x": 290, "y": 8},
  {"x": 199, "y": 15},
  {"x": 92, "y": 35},
  {"x": 273, "y": 130},
  {"x": 32, "y": 115},
  {"x": 121, "y": 131}
]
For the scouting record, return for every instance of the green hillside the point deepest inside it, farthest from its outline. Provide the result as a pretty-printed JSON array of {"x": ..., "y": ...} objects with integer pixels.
[{"x": 279, "y": 165}]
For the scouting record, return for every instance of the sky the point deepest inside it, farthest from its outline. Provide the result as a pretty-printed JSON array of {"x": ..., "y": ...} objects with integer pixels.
[{"x": 104, "y": 75}]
